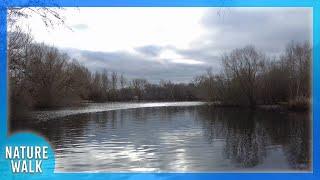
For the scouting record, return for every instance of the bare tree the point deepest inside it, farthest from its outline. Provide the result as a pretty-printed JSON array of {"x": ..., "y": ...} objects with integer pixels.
[
  {"x": 114, "y": 80},
  {"x": 297, "y": 58},
  {"x": 123, "y": 81},
  {"x": 243, "y": 66},
  {"x": 138, "y": 86},
  {"x": 18, "y": 44},
  {"x": 50, "y": 16}
]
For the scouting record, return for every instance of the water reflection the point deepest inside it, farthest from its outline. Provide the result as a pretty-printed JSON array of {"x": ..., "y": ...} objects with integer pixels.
[
  {"x": 194, "y": 138},
  {"x": 249, "y": 135}
]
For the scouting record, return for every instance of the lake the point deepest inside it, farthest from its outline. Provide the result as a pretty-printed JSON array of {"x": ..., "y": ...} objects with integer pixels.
[{"x": 174, "y": 137}]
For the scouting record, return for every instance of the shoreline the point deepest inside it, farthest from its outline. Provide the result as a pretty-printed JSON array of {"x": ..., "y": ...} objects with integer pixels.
[
  {"x": 90, "y": 107},
  {"x": 282, "y": 107}
]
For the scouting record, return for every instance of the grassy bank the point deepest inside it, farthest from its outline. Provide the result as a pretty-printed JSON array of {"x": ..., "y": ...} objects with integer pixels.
[{"x": 296, "y": 105}]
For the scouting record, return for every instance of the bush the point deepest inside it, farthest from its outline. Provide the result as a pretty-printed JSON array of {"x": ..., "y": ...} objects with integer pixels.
[{"x": 299, "y": 103}]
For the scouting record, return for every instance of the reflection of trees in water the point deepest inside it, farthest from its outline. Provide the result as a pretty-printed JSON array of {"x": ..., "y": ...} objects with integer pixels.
[
  {"x": 245, "y": 139},
  {"x": 247, "y": 134},
  {"x": 246, "y": 146},
  {"x": 297, "y": 149}
]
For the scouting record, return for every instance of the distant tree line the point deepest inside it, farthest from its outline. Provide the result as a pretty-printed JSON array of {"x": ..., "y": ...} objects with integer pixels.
[{"x": 41, "y": 76}]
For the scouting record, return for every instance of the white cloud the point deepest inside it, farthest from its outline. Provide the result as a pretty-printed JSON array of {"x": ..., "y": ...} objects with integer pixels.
[
  {"x": 187, "y": 61},
  {"x": 172, "y": 56},
  {"x": 113, "y": 29}
]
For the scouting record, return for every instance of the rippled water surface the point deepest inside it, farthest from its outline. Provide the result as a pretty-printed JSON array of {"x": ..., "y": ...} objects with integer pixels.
[{"x": 187, "y": 136}]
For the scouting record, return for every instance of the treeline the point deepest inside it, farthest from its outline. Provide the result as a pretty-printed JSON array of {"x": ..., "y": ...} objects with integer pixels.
[
  {"x": 251, "y": 78},
  {"x": 104, "y": 86},
  {"x": 41, "y": 76}
]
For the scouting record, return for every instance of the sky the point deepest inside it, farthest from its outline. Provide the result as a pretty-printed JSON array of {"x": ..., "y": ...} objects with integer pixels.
[{"x": 174, "y": 44}]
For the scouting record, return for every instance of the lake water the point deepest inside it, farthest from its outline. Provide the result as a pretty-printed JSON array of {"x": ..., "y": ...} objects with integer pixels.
[{"x": 174, "y": 137}]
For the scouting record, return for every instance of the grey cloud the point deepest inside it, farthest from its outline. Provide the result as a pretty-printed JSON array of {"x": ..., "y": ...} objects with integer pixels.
[
  {"x": 198, "y": 54},
  {"x": 270, "y": 29},
  {"x": 202, "y": 54},
  {"x": 149, "y": 50},
  {"x": 80, "y": 26},
  {"x": 134, "y": 66}
]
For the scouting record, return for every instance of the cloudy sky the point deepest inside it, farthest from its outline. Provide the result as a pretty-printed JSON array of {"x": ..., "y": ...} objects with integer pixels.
[{"x": 171, "y": 43}]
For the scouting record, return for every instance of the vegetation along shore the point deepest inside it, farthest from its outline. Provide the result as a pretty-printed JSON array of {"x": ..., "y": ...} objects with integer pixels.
[{"x": 42, "y": 76}]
